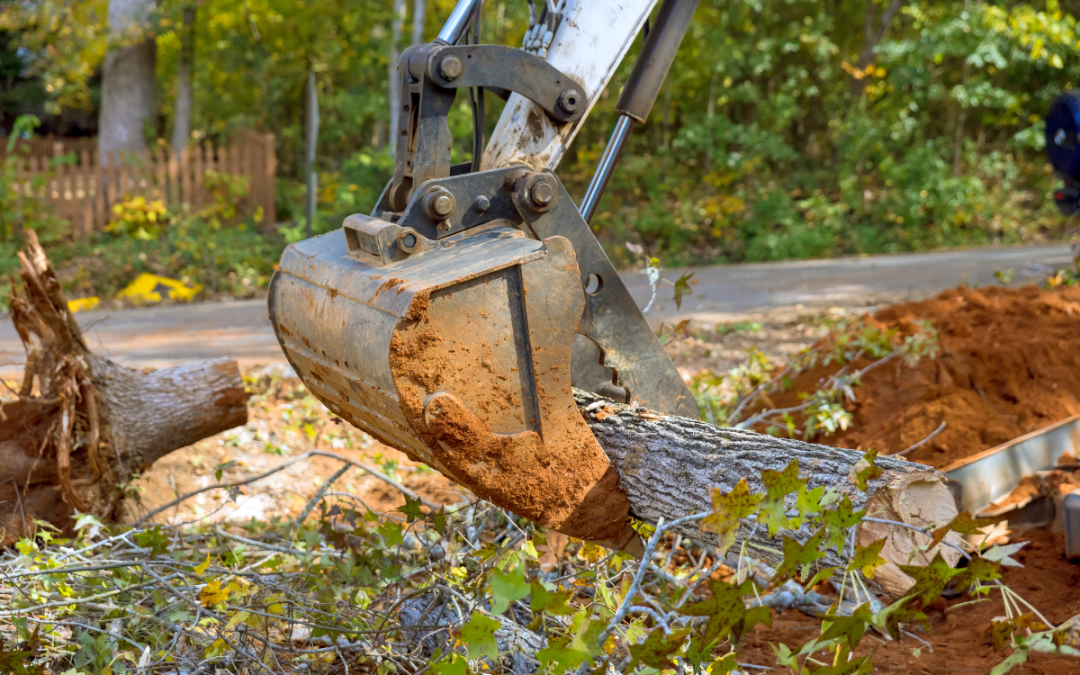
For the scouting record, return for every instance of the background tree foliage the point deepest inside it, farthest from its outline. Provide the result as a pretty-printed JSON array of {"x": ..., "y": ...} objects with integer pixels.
[{"x": 788, "y": 128}]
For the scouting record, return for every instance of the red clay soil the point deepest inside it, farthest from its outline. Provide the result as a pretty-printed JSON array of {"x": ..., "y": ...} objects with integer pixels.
[
  {"x": 1009, "y": 364},
  {"x": 958, "y": 636}
]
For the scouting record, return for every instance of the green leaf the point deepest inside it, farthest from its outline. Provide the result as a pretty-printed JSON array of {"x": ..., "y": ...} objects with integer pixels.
[
  {"x": 554, "y": 603},
  {"x": 1015, "y": 659},
  {"x": 784, "y": 656},
  {"x": 978, "y": 569},
  {"x": 843, "y": 666},
  {"x": 753, "y": 617},
  {"x": 455, "y": 666},
  {"x": 478, "y": 636},
  {"x": 728, "y": 512},
  {"x": 412, "y": 509},
  {"x": 439, "y": 521},
  {"x": 657, "y": 649},
  {"x": 797, "y": 555},
  {"x": 864, "y": 470},
  {"x": 561, "y": 653},
  {"x": 851, "y": 628},
  {"x": 778, "y": 484},
  {"x": 868, "y": 558},
  {"x": 822, "y": 574},
  {"x": 808, "y": 502},
  {"x": 903, "y": 611},
  {"x": 931, "y": 579},
  {"x": 1001, "y": 629},
  {"x": 506, "y": 587},
  {"x": 962, "y": 523},
  {"x": 724, "y": 665},
  {"x": 725, "y": 608},
  {"x": 682, "y": 288},
  {"x": 222, "y": 468},
  {"x": 1003, "y": 554},
  {"x": 391, "y": 533},
  {"x": 14, "y": 662},
  {"x": 837, "y": 521}
]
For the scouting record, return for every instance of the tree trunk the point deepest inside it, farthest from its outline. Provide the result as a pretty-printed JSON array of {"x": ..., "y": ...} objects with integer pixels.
[
  {"x": 872, "y": 37},
  {"x": 667, "y": 465},
  {"x": 396, "y": 22},
  {"x": 81, "y": 424},
  {"x": 418, "y": 18},
  {"x": 127, "y": 84},
  {"x": 184, "y": 86}
]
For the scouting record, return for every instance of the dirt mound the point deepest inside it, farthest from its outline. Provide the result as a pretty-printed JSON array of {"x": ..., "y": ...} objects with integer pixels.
[{"x": 1009, "y": 364}]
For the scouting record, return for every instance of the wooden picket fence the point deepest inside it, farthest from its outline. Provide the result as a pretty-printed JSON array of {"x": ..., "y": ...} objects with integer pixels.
[{"x": 83, "y": 193}]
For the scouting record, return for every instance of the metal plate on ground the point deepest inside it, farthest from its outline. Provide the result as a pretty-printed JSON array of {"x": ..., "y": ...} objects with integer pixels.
[{"x": 991, "y": 474}]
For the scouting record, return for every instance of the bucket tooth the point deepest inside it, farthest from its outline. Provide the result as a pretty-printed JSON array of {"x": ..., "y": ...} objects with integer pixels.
[{"x": 461, "y": 357}]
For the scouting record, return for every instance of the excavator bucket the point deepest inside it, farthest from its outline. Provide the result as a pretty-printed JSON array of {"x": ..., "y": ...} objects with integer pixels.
[{"x": 458, "y": 350}]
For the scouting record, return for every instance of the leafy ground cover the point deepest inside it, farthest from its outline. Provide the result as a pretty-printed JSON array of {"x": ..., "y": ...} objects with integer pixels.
[{"x": 298, "y": 544}]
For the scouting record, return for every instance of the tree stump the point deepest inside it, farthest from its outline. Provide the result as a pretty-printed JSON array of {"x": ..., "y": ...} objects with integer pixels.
[{"x": 81, "y": 425}]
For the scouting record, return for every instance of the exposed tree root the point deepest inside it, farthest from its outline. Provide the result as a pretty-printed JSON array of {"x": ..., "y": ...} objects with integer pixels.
[{"x": 80, "y": 425}]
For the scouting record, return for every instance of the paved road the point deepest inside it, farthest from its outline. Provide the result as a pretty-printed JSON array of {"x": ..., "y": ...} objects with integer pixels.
[{"x": 161, "y": 336}]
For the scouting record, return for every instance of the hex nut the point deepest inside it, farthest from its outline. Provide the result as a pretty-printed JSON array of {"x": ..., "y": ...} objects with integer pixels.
[
  {"x": 542, "y": 193},
  {"x": 439, "y": 204},
  {"x": 451, "y": 67},
  {"x": 442, "y": 205},
  {"x": 568, "y": 101}
]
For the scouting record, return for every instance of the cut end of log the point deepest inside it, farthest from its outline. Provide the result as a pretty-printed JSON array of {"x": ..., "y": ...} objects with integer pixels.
[{"x": 920, "y": 499}]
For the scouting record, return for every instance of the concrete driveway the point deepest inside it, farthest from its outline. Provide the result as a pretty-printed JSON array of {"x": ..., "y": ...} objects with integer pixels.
[{"x": 162, "y": 336}]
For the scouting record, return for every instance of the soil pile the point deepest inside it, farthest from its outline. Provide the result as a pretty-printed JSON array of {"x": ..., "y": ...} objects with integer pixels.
[{"x": 1008, "y": 364}]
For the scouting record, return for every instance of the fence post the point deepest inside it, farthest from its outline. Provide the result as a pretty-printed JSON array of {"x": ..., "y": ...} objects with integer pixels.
[
  {"x": 270, "y": 171},
  {"x": 84, "y": 193}
]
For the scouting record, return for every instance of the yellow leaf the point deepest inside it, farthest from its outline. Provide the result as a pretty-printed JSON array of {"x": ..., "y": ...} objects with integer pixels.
[
  {"x": 1056, "y": 61},
  {"x": 213, "y": 594},
  {"x": 201, "y": 568},
  {"x": 591, "y": 553},
  {"x": 236, "y": 619},
  {"x": 79, "y": 304}
]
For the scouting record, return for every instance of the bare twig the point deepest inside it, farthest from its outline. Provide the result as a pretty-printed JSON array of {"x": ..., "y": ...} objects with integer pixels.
[{"x": 923, "y": 442}]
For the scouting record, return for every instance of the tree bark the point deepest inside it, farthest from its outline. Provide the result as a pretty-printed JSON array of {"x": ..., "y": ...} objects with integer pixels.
[
  {"x": 396, "y": 23},
  {"x": 127, "y": 84},
  {"x": 873, "y": 33},
  {"x": 81, "y": 425},
  {"x": 667, "y": 465},
  {"x": 184, "y": 85},
  {"x": 418, "y": 18}
]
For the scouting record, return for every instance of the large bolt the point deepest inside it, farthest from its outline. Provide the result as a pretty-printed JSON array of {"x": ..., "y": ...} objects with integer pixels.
[
  {"x": 439, "y": 204},
  {"x": 451, "y": 67},
  {"x": 568, "y": 101},
  {"x": 542, "y": 193}
]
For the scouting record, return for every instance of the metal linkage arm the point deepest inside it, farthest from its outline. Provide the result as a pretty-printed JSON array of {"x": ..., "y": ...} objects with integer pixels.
[
  {"x": 431, "y": 75},
  {"x": 501, "y": 67}
]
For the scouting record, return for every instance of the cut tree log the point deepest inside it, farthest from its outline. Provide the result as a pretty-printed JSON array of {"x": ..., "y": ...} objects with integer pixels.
[
  {"x": 667, "y": 465},
  {"x": 81, "y": 425}
]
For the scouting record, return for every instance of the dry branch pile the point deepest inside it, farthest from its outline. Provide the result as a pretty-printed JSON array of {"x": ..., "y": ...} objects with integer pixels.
[{"x": 80, "y": 424}]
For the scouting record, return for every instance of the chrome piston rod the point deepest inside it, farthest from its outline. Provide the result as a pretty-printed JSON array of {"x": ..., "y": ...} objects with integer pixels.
[
  {"x": 457, "y": 23},
  {"x": 606, "y": 167}
]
